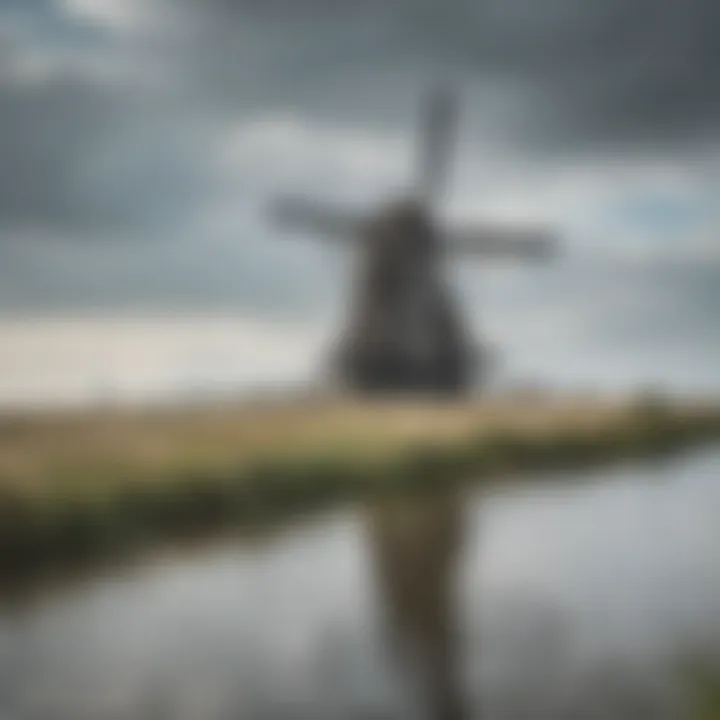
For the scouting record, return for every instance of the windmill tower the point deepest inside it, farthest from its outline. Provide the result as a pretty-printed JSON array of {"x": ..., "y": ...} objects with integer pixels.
[{"x": 405, "y": 333}]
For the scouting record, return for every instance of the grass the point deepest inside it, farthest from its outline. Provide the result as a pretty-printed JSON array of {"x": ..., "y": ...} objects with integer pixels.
[
  {"x": 706, "y": 703},
  {"x": 73, "y": 487},
  {"x": 702, "y": 682}
]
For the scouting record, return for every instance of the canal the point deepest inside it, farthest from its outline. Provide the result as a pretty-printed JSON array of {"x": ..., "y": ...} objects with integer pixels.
[{"x": 574, "y": 595}]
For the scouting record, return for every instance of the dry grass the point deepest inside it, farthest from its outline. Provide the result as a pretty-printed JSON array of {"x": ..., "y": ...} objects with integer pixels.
[
  {"x": 77, "y": 484},
  {"x": 35, "y": 451}
]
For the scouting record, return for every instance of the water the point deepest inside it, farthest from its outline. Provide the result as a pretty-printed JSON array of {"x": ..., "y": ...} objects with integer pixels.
[{"x": 550, "y": 599}]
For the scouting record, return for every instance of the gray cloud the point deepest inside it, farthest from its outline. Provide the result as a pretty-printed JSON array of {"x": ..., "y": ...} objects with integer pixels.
[
  {"x": 114, "y": 129},
  {"x": 80, "y": 151},
  {"x": 596, "y": 71},
  {"x": 85, "y": 153}
]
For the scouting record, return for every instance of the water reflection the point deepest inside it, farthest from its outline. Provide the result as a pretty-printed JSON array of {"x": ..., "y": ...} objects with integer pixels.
[
  {"x": 414, "y": 547},
  {"x": 569, "y": 601}
]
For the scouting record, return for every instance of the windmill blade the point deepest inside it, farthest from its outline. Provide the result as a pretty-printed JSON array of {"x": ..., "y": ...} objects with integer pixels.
[
  {"x": 308, "y": 217},
  {"x": 437, "y": 135},
  {"x": 503, "y": 242}
]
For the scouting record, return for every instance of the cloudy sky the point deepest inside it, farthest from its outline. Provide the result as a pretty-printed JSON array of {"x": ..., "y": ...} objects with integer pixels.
[{"x": 141, "y": 139}]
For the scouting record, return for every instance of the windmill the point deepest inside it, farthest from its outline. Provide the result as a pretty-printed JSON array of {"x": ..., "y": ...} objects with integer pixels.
[{"x": 405, "y": 333}]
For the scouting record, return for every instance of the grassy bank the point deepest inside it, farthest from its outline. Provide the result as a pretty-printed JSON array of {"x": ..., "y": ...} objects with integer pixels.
[
  {"x": 701, "y": 678},
  {"x": 705, "y": 703},
  {"x": 74, "y": 487}
]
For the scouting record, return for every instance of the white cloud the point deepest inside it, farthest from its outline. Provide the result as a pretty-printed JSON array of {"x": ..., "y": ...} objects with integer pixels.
[
  {"x": 74, "y": 360},
  {"x": 289, "y": 150},
  {"x": 583, "y": 199},
  {"x": 579, "y": 196},
  {"x": 117, "y": 15}
]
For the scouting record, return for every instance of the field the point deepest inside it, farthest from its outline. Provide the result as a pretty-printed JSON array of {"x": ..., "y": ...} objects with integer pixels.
[
  {"x": 44, "y": 450},
  {"x": 78, "y": 484}
]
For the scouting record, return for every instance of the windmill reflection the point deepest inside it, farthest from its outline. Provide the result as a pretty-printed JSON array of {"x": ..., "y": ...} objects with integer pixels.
[{"x": 414, "y": 546}]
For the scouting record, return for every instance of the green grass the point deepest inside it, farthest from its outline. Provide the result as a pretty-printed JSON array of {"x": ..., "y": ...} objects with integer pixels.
[
  {"x": 707, "y": 704},
  {"x": 702, "y": 681},
  {"x": 99, "y": 503}
]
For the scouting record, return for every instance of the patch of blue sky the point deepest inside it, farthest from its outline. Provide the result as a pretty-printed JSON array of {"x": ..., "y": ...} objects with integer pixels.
[{"x": 656, "y": 220}]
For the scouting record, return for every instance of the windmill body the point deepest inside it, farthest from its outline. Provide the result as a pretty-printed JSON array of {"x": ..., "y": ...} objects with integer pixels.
[{"x": 405, "y": 333}]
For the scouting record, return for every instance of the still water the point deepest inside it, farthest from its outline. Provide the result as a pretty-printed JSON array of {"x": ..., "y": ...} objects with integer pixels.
[{"x": 546, "y": 599}]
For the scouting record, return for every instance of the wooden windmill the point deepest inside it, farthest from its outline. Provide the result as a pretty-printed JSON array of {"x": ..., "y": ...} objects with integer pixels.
[{"x": 405, "y": 334}]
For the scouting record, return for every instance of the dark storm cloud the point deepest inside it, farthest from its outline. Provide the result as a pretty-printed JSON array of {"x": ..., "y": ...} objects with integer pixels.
[
  {"x": 83, "y": 157},
  {"x": 115, "y": 114},
  {"x": 47, "y": 135},
  {"x": 81, "y": 154},
  {"x": 592, "y": 71}
]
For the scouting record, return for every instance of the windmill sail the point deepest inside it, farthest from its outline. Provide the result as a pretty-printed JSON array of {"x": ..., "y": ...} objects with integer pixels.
[
  {"x": 487, "y": 241},
  {"x": 437, "y": 135}
]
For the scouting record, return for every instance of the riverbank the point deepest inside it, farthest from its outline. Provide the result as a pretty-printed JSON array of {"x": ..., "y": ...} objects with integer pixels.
[{"x": 77, "y": 486}]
